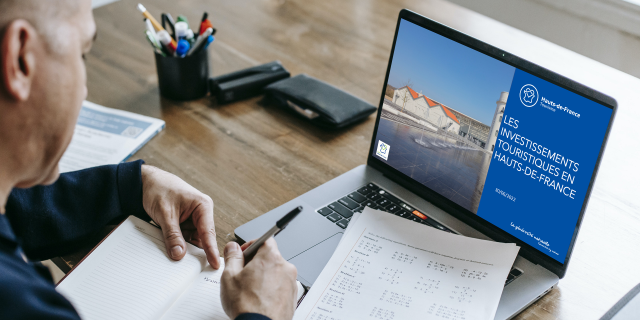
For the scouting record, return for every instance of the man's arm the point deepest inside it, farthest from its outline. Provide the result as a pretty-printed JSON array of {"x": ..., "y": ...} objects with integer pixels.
[{"x": 57, "y": 219}]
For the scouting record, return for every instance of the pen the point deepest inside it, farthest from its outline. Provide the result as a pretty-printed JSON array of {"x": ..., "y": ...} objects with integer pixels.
[
  {"x": 153, "y": 41},
  {"x": 153, "y": 21},
  {"x": 204, "y": 17},
  {"x": 183, "y": 47},
  {"x": 205, "y": 25},
  {"x": 201, "y": 41},
  {"x": 180, "y": 29},
  {"x": 280, "y": 225},
  {"x": 182, "y": 18},
  {"x": 165, "y": 39},
  {"x": 209, "y": 40},
  {"x": 189, "y": 37},
  {"x": 149, "y": 26}
]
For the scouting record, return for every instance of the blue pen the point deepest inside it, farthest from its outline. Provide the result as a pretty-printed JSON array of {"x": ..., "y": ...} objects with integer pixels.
[
  {"x": 209, "y": 40},
  {"x": 183, "y": 48}
]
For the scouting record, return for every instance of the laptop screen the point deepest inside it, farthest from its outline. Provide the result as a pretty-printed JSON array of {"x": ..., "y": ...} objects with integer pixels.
[{"x": 515, "y": 150}]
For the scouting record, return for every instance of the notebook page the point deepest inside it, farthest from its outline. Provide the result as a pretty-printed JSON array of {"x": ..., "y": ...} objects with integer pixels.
[
  {"x": 201, "y": 300},
  {"x": 130, "y": 276},
  {"x": 387, "y": 268}
]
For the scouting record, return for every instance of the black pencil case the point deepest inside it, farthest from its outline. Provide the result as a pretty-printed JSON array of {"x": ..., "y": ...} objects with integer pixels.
[{"x": 318, "y": 101}]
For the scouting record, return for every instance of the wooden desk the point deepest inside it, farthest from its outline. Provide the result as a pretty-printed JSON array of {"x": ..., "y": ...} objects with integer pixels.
[{"x": 251, "y": 158}]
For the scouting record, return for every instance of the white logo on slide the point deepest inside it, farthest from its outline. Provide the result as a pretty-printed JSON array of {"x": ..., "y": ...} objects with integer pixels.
[
  {"x": 383, "y": 150},
  {"x": 529, "y": 95}
]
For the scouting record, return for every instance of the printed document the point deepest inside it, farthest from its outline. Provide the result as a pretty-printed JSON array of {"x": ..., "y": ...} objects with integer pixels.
[
  {"x": 107, "y": 136},
  {"x": 387, "y": 267}
]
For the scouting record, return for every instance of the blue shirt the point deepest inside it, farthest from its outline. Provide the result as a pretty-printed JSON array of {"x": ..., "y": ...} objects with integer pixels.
[{"x": 48, "y": 221}]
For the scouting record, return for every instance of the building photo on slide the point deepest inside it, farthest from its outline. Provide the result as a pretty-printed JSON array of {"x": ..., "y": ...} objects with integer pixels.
[{"x": 441, "y": 114}]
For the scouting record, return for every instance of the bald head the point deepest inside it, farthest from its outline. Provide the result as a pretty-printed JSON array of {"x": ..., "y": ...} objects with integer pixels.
[
  {"x": 46, "y": 16},
  {"x": 42, "y": 85}
]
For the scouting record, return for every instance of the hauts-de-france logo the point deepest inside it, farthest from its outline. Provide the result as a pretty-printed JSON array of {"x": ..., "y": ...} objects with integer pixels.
[
  {"x": 529, "y": 95},
  {"x": 383, "y": 150}
]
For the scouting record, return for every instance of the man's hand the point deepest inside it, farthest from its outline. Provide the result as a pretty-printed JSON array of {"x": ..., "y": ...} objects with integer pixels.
[
  {"x": 266, "y": 285},
  {"x": 181, "y": 211}
]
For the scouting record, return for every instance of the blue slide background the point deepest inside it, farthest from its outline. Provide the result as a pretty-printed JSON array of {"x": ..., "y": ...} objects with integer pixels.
[{"x": 540, "y": 209}]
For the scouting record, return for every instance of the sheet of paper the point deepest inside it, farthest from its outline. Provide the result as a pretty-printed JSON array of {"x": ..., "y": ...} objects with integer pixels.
[
  {"x": 107, "y": 136},
  {"x": 201, "y": 300},
  {"x": 130, "y": 276},
  {"x": 387, "y": 267}
]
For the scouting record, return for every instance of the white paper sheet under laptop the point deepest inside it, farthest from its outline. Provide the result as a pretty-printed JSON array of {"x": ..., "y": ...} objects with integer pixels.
[
  {"x": 130, "y": 276},
  {"x": 107, "y": 136},
  {"x": 387, "y": 267}
]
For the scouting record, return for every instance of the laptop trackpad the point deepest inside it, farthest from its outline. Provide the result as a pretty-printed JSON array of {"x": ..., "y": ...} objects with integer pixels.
[{"x": 311, "y": 262}]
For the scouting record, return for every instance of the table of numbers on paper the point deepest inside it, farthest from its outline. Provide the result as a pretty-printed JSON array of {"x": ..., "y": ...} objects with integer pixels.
[{"x": 386, "y": 268}]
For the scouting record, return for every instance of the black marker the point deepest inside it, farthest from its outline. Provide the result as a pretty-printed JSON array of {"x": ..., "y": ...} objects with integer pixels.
[{"x": 280, "y": 225}]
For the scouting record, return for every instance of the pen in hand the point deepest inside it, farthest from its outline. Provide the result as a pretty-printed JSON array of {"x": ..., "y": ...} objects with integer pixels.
[{"x": 280, "y": 225}]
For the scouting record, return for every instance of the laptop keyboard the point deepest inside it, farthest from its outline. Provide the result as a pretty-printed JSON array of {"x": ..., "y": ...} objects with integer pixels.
[{"x": 340, "y": 212}]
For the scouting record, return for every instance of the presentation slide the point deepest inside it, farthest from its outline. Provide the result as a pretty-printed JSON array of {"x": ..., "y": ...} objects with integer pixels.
[
  {"x": 544, "y": 158},
  {"x": 510, "y": 147}
]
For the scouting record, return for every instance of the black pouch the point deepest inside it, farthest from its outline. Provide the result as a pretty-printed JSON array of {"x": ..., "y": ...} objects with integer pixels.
[{"x": 319, "y": 101}]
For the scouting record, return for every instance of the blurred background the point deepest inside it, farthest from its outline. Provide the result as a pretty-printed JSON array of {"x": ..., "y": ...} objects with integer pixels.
[{"x": 604, "y": 30}]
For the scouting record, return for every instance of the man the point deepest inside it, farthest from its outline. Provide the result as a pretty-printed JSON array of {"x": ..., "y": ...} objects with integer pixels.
[{"x": 44, "y": 214}]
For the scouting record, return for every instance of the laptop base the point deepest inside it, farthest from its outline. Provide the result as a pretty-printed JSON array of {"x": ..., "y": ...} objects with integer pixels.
[{"x": 309, "y": 240}]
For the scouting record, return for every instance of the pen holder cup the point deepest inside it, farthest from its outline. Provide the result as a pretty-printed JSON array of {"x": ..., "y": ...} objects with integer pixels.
[{"x": 183, "y": 78}]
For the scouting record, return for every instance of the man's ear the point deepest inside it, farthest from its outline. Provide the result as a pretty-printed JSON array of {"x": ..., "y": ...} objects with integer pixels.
[{"x": 18, "y": 59}]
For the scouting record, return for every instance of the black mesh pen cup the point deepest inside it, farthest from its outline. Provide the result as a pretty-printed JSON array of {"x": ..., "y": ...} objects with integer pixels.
[{"x": 183, "y": 78}]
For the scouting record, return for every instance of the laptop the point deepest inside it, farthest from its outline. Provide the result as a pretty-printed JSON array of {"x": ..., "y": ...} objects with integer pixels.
[{"x": 472, "y": 140}]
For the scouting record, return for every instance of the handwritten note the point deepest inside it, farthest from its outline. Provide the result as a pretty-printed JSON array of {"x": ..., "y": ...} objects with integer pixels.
[{"x": 387, "y": 267}]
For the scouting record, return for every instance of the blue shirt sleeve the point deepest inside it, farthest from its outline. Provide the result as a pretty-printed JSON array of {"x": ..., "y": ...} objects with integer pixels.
[
  {"x": 252, "y": 316},
  {"x": 57, "y": 219},
  {"x": 48, "y": 221}
]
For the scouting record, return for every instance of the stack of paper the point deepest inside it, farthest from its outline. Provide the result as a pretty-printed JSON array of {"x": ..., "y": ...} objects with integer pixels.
[
  {"x": 107, "y": 136},
  {"x": 387, "y": 267}
]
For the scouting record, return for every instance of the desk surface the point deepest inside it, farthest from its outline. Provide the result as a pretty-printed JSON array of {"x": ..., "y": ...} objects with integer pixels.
[{"x": 251, "y": 158}]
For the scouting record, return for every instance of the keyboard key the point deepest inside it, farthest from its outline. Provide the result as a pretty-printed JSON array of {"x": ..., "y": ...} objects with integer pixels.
[
  {"x": 373, "y": 186},
  {"x": 406, "y": 206},
  {"x": 393, "y": 208},
  {"x": 515, "y": 272},
  {"x": 416, "y": 219},
  {"x": 383, "y": 202},
  {"x": 348, "y": 203},
  {"x": 389, "y": 196},
  {"x": 398, "y": 213},
  {"x": 369, "y": 204},
  {"x": 341, "y": 210},
  {"x": 343, "y": 223},
  {"x": 404, "y": 213},
  {"x": 365, "y": 191},
  {"x": 437, "y": 225},
  {"x": 334, "y": 217},
  {"x": 357, "y": 197},
  {"x": 419, "y": 214},
  {"x": 359, "y": 209},
  {"x": 374, "y": 196},
  {"x": 426, "y": 223},
  {"x": 325, "y": 211}
]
